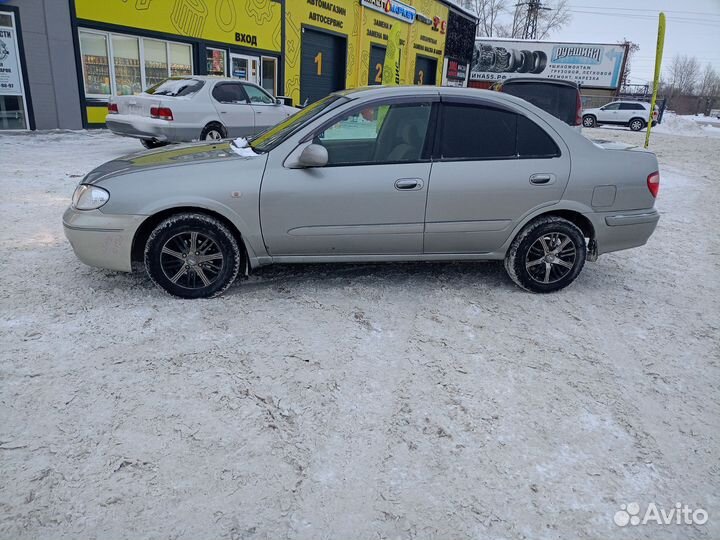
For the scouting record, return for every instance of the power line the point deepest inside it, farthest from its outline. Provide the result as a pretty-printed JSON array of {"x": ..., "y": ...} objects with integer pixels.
[
  {"x": 682, "y": 20},
  {"x": 648, "y": 10}
]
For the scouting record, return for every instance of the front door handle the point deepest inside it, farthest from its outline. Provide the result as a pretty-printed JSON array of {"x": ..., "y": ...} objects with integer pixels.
[
  {"x": 408, "y": 184},
  {"x": 542, "y": 179}
]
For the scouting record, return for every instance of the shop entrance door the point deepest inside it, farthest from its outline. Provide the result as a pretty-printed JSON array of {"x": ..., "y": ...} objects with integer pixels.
[{"x": 245, "y": 68}]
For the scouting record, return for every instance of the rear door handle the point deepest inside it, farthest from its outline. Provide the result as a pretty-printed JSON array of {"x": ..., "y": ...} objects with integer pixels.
[
  {"x": 408, "y": 184},
  {"x": 542, "y": 179}
]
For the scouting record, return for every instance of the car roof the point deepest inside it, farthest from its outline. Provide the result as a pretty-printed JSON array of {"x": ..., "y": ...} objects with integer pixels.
[{"x": 212, "y": 78}]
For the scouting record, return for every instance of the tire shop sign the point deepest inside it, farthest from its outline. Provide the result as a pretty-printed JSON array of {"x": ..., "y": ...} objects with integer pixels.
[
  {"x": 9, "y": 66},
  {"x": 588, "y": 64}
]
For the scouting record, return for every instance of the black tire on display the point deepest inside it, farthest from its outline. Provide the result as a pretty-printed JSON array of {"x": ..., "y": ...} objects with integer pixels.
[
  {"x": 547, "y": 255},
  {"x": 589, "y": 121},
  {"x": 192, "y": 255},
  {"x": 526, "y": 62},
  {"x": 214, "y": 131},
  {"x": 152, "y": 143},
  {"x": 636, "y": 124},
  {"x": 539, "y": 62}
]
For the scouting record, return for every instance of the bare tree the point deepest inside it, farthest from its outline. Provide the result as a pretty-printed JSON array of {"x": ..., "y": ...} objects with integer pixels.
[
  {"x": 709, "y": 83},
  {"x": 683, "y": 74},
  {"x": 632, "y": 48},
  {"x": 488, "y": 13},
  {"x": 556, "y": 18}
]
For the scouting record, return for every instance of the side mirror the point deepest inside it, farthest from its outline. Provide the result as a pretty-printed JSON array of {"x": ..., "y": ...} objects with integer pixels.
[
  {"x": 279, "y": 101},
  {"x": 313, "y": 155}
]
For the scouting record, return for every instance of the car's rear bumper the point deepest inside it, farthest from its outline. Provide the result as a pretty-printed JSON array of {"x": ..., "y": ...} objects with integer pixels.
[
  {"x": 623, "y": 230},
  {"x": 141, "y": 127},
  {"x": 101, "y": 240}
]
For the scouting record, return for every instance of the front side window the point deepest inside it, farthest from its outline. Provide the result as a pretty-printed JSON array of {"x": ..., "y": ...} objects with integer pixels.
[
  {"x": 378, "y": 134},
  {"x": 256, "y": 95},
  {"x": 476, "y": 132},
  {"x": 126, "y": 61},
  {"x": 611, "y": 107},
  {"x": 229, "y": 93},
  {"x": 96, "y": 69}
]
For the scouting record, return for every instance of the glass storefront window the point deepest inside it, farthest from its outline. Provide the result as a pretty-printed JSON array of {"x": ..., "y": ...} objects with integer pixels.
[
  {"x": 180, "y": 59},
  {"x": 156, "y": 62},
  {"x": 96, "y": 69},
  {"x": 269, "y": 75},
  {"x": 126, "y": 60},
  {"x": 216, "y": 62},
  {"x": 12, "y": 112}
]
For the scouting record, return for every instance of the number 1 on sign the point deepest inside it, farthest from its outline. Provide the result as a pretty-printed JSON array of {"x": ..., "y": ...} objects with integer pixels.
[{"x": 318, "y": 61}]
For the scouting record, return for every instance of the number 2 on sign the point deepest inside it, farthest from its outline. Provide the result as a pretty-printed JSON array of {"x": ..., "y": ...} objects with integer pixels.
[
  {"x": 378, "y": 73},
  {"x": 318, "y": 61}
]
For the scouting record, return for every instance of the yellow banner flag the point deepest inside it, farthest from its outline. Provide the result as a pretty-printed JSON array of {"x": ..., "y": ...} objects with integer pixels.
[
  {"x": 656, "y": 80},
  {"x": 391, "y": 67}
]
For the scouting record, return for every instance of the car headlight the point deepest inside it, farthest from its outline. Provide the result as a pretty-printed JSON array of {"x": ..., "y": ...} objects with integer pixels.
[{"x": 89, "y": 197}]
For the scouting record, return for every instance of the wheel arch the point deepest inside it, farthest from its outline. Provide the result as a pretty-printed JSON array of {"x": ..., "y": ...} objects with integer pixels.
[{"x": 146, "y": 227}]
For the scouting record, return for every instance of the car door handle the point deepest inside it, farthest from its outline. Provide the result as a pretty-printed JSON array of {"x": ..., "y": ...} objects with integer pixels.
[
  {"x": 408, "y": 184},
  {"x": 542, "y": 179}
]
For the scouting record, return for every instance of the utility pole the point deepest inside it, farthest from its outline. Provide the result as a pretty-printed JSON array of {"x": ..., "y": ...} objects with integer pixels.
[{"x": 533, "y": 8}]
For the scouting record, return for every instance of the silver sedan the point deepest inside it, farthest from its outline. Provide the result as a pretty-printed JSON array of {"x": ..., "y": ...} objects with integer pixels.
[
  {"x": 383, "y": 174},
  {"x": 184, "y": 109}
]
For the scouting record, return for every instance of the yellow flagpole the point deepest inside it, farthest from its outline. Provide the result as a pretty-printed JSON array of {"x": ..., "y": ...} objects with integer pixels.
[{"x": 656, "y": 80}]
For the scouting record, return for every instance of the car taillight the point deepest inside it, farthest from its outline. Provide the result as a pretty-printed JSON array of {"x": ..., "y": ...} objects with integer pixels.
[
  {"x": 162, "y": 113},
  {"x": 653, "y": 183},
  {"x": 578, "y": 110},
  {"x": 112, "y": 108}
]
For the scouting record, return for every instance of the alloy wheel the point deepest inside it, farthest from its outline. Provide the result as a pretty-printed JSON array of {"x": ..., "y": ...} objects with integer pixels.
[
  {"x": 550, "y": 258},
  {"x": 191, "y": 260},
  {"x": 213, "y": 135}
]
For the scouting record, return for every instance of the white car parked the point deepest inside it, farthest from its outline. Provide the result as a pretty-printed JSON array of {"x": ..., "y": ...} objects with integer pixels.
[
  {"x": 184, "y": 109},
  {"x": 633, "y": 114}
]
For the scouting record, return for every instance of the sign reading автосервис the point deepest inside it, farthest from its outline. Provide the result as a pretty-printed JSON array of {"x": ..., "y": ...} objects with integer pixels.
[
  {"x": 9, "y": 70},
  {"x": 588, "y": 64},
  {"x": 393, "y": 8}
]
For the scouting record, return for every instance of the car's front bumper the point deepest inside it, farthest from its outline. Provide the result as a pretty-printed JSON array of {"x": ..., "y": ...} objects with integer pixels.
[
  {"x": 141, "y": 127},
  {"x": 101, "y": 240}
]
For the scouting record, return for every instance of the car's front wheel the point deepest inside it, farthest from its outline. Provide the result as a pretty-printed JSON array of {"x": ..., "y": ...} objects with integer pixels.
[
  {"x": 192, "y": 256},
  {"x": 636, "y": 124},
  {"x": 589, "y": 121},
  {"x": 547, "y": 255}
]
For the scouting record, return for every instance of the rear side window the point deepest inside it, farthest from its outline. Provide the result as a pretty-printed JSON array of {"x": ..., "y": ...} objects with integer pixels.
[
  {"x": 533, "y": 142},
  {"x": 473, "y": 132},
  {"x": 229, "y": 93},
  {"x": 176, "y": 87},
  {"x": 558, "y": 100},
  {"x": 631, "y": 107},
  {"x": 477, "y": 132}
]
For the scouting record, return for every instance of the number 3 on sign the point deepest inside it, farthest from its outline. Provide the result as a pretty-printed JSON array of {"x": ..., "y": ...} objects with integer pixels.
[
  {"x": 421, "y": 76},
  {"x": 318, "y": 61}
]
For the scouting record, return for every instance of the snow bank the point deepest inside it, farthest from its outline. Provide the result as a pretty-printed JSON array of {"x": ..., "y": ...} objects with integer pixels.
[{"x": 686, "y": 125}]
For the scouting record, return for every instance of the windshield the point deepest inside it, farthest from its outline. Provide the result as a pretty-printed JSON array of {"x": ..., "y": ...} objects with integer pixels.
[
  {"x": 560, "y": 101},
  {"x": 270, "y": 138},
  {"x": 176, "y": 87}
]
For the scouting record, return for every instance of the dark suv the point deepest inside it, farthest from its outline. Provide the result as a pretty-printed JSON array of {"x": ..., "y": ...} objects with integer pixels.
[{"x": 559, "y": 98}]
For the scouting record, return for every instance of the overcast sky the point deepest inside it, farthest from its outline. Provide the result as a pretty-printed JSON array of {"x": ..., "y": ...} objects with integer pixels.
[{"x": 693, "y": 28}]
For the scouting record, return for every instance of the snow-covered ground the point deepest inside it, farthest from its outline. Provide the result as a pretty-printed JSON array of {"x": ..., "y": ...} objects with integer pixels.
[{"x": 363, "y": 401}]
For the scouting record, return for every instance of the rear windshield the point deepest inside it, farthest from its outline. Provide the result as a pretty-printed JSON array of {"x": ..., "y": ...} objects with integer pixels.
[
  {"x": 558, "y": 100},
  {"x": 176, "y": 87}
]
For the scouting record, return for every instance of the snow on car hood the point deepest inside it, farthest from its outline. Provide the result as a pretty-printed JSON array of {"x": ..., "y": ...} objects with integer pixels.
[{"x": 186, "y": 154}]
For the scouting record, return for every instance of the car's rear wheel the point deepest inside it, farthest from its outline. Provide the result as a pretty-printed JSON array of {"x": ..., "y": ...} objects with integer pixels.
[
  {"x": 547, "y": 255},
  {"x": 636, "y": 124},
  {"x": 213, "y": 132},
  {"x": 192, "y": 256},
  {"x": 589, "y": 121},
  {"x": 152, "y": 143}
]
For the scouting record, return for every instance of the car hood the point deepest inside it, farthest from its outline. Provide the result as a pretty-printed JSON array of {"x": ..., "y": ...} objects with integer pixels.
[{"x": 187, "y": 154}]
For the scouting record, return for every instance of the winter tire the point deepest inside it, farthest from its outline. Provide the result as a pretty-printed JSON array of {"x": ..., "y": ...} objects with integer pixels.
[
  {"x": 526, "y": 62},
  {"x": 213, "y": 132},
  {"x": 547, "y": 255},
  {"x": 589, "y": 121},
  {"x": 636, "y": 124},
  {"x": 192, "y": 256},
  {"x": 152, "y": 143},
  {"x": 539, "y": 62}
]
